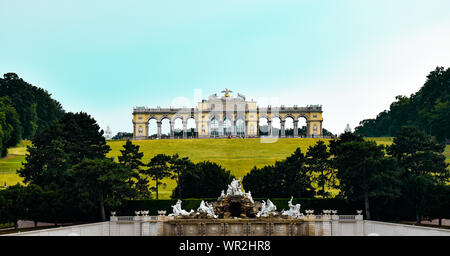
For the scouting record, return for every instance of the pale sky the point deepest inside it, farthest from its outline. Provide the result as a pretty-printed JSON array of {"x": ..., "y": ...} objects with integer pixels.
[{"x": 104, "y": 57}]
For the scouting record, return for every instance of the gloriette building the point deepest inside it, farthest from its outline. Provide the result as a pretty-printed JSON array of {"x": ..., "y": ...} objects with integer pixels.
[{"x": 228, "y": 116}]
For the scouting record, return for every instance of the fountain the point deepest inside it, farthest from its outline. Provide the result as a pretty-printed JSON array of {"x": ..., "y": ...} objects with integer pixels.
[{"x": 235, "y": 213}]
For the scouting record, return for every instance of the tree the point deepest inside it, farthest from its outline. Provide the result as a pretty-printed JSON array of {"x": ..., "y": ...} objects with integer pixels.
[
  {"x": 99, "y": 182},
  {"x": 204, "y": 180},
  {"x": 284, "y": 179},
  {"x": 439, "y": 203},
  {"x": 364, "y": 172},
  {"x": 59, "y": 146},
  {"x": 179, "y": 166},
  {"x": 10, "y": 130},
  {"x": 422, "y": 162},
  {"x": 343, "y": 138},
  {"x": 428, "y": 109},
  {"x": 318, "y": 160},
  {"x": 14, "y": 205},
  {"x": 294, "y": 176},
  {"x": 158, "y": 170},
  {"x": 123, "y": 135},
  {"x": 34, "y": 105},
  {"x": 131, "y": 160}
]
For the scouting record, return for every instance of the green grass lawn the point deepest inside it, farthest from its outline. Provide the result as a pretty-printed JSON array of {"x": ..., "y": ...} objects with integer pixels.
[
  {"x": 12, "y": 162},
  {"x": 237, "y": 155}
]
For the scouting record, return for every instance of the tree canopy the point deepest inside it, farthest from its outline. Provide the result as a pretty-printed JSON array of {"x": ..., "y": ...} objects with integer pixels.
[
  {"x": 364, "y": 172},
  {"x": 286, "y": 178},
  {"x": 423, "y": 164},
  {"x": 99, "y": 183},
  {"x": 202, "y": 180},
  {"x": 34, "y": 105},
  {"x": 10, "y": 129},
  {"x": 428, "y": 109},
  {"x": 61, "y": 145}
]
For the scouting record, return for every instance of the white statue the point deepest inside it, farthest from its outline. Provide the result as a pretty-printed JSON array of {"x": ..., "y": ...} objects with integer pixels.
[
  {"x": 270, "y": 206},
  {"x": 206, "y": 208},
  {"x": 267, "y": 209},
  {"x": 294, "y": 210},
  {"x": 263, "y": 209},
  {"x": 249, "y": 196},
  {"x": 211, "y": 211},
  {"x": 177, "y": 211},
  {"x": 234, "y": 189}
]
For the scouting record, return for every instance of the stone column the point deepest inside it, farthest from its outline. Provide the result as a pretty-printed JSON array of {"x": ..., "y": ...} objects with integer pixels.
[
  {"x": 269, "y": 127},
  {"x": 220, "y": 131},
  {"x": 245, "y": 128},
  {"x": 137, "y": 226},
  {"x": 233, "y": 128},
  {"x": 335, "y": 231},
  {"x": 158, "y": 123},
  {"x": 295, "y": 128},
  {"x": 359, "y": 224},
  {"x": 113, "y": 228},
  {"x": 326, "y": 223},
  {"x": 184, "y": 129},
  {"x": 320, "y": 129},
  {"x": 197, "y": 128},
  {"x": 308, "y": 133},
  {"x": 171, "y": 128},
  {"x": 257, "y": 128},
  {"x": 311, "y": 224},
  {"x": 283, "y": 134}
]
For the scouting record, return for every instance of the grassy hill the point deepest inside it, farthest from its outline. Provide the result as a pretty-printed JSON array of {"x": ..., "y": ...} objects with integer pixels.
[
  {"x": 237, "y": 155},
  {"x": 12, "y": 162}
]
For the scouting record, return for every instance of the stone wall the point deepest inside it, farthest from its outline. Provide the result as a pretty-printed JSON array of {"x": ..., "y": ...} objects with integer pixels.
[{"x": 312, "y": 225}]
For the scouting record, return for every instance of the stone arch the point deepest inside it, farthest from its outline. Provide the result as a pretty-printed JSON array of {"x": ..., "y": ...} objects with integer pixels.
[
  {"x": 293, "y": 117},
  {"x": 303, "y": 126},
  {"x": 289, "y": 126},
  {"x": 305, "y": 116},
  {"x": 177, "y": 116},
  {"x": 275, "y": 126},
  {"x": 263, "y": 127},
  {"x": 165, "y": 124},
  {"x": 191, "y": 126},
  {"x": 177, "y": 127},
  {"x": 240, "y": 127},
  {"x": 227, "y": 126},
  {"x": 152, "y": 127},
  {"x": 214, "y": 126},
  {"x": 150, "y": 117}
]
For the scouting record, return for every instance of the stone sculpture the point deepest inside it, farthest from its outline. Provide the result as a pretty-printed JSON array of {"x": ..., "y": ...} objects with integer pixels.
[
  {"x": 177, "y": 211},
  {"x": 294, "y": 210},
  {"x": 249, "y": 197},
  {"x": 206, "y": 209},
  {"x": 234, "y": 203},
  {"x": 268, "y": 209},
  {"x": 234, "y": 189}
]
